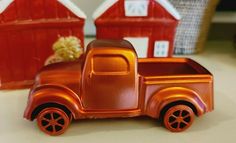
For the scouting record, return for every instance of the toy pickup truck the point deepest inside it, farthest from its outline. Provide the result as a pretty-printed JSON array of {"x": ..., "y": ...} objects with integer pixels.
[{"x": 109, "y": 81}]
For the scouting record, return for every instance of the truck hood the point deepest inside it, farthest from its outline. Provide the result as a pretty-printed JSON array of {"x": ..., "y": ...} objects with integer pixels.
[{"x": 66, "y": 74}]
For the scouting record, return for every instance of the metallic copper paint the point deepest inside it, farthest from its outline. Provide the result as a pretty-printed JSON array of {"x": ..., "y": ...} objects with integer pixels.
[
  {"x": 142, "y": 87},
  {"x": 180, "y": 115},
  {"x": 53, "y": 118}
]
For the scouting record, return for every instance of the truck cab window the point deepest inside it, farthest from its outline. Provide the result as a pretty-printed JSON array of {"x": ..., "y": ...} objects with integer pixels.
[{"x": 110, "y": 64}]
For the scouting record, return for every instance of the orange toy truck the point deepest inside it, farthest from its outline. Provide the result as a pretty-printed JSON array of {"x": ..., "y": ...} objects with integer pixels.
[{"x": 109, "y": 81}]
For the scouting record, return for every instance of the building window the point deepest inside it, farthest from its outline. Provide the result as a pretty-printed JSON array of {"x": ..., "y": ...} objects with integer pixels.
[
  {"x": 161, "y": 49},
  {"x": 140, "y": 45},
  {"x": 135, "y": 8}
]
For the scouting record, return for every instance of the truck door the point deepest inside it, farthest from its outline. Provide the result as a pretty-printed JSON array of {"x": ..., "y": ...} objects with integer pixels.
[{"x": 110, "y": 82}]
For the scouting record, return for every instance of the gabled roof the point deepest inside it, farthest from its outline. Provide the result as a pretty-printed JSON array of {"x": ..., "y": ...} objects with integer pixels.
[
  {"x": 73, "y": 8},
  {"x": 103, "y": 8},
  {"x": 4, "y": 4},
  {"x": 108, "y": 3},
  {"x": 170, "y": 8},
  {"x": 67, "y": 3}
]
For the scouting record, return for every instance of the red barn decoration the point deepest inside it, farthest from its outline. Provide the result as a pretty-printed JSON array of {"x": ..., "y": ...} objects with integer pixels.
[
  {"x": 28, "y": 28},
  {"x": 150, "y": 25}
]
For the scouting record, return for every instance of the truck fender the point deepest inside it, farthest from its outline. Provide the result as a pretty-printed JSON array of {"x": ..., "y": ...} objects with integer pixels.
[
  {"x": 53, "y": 94},
  {"x": 174, "y": 96}
]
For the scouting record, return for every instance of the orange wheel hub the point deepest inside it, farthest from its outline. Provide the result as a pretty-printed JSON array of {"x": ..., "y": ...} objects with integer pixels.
[
  {"x": 178, "y": 118},
  {"x": 53, "y": 121}
]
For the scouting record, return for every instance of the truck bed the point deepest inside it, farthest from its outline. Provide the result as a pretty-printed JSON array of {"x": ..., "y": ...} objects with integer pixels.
[{"x": 169, "y": 67}]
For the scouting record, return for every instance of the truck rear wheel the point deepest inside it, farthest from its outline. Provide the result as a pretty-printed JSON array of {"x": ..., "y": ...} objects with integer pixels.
[
  {"x": 53, "y": 121},
  {"x": 178, "y": 118}
]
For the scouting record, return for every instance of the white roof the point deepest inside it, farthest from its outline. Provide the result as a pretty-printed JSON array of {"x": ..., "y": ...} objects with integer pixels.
[
  {"x": 4, "y": 4},
  {"x": 67, "y": 3},
  {"x": 73, "y": 8},
  {"x": 103, "y": 8},
  {"x": 108, "y": 3},
  {"x": 170, "y": 8}
]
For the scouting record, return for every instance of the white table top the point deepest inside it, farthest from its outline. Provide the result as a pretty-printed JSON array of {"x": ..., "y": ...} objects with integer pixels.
[{"x": 218, "y": 126}]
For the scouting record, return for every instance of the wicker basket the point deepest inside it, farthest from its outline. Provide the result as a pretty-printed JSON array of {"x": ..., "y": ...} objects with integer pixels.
[{"x": 193, "y": 29}]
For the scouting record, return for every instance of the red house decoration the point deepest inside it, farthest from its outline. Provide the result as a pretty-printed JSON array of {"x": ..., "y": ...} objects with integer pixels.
[
  {"x": 28, "y": 28},
  {"x": 150, "y": 25}
]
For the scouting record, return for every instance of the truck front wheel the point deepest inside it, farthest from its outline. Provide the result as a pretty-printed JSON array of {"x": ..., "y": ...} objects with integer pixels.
[
  {"x": 53, "y": 121},
  {"x": 178, "y": 118}
]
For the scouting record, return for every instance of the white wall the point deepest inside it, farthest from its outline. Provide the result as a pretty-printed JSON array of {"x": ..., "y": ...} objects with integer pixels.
[{"x": 88, "y": 6}]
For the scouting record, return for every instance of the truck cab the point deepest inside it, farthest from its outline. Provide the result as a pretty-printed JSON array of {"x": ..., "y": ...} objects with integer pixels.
[
  {"x": 110, "y": 77},
  {"x": 110, "y": 81}
]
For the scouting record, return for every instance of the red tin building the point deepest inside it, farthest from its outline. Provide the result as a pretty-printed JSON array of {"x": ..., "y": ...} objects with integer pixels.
[
  {"x": 150, "y": 25},
  {"x": 28, "y": 28}
]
